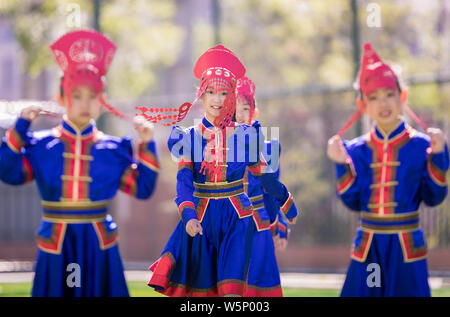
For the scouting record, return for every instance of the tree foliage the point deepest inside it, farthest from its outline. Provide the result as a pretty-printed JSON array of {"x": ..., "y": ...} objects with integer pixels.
[{"x": 144, "y": 32}]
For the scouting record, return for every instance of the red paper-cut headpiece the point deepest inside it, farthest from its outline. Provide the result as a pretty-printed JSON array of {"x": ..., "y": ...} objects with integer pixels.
[
  {"x": 221, "y": 68},
  {"x": 374, "y": 73},
  {"x": 218, "y": 64},
  {"x": 245, "y": 88},
  {"x": 84, "y": 57}
]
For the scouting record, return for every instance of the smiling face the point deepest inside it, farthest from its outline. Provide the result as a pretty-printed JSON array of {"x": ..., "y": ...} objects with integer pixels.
[
  {"x": 85, "y": 105},
  {"x": 242, "y": 111},
  {"x": 384, "y": 106},
  {"x": 213, "y": 99}
]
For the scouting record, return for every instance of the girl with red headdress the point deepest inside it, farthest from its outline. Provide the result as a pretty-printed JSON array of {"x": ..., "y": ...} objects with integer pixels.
[
  {"x": 209, "y": 252},
  {"x": 385, "y": 175},
  {"x": 78, "y": 170}
]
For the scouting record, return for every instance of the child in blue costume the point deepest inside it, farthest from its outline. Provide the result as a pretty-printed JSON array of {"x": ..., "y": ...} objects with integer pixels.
[
  {"x": 385, "y": 175},
  {"x": 279, "y": 225},
  {"x": 263, "y": 276},
  {"x": 209, "y": 252},
  {"x": 78, "y": 170}
]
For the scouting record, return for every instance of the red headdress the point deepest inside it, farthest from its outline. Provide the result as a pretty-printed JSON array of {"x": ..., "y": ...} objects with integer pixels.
[
  {"x": 375, "y": 74},
  {"x": 84, "y": 57},
  {"x": 220, "y": 68},
  {"x": 218, "y": 64},
  {"x": 245, "y": 89}
]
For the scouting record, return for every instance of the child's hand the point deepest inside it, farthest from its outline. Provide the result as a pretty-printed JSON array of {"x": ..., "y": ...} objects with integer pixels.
[
  {"x": 438, "y": 140},
  {"x": 193, "y": 227},
  {"x": 280, "y": 243},
  {"x": 30, "y": 113},
  {"x": 336, "y": 150},
  {"x": 144, "y": 128},
  {"x": 276, "y": 240}
]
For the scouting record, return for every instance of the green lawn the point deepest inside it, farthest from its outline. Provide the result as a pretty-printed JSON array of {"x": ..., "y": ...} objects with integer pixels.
[{"x": 140, "y": 289}]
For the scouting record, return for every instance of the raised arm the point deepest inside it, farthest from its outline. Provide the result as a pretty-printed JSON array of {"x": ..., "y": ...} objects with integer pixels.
[
  {"x": 15, "y": 168},
  {"x": 268, "y": 177},
  {"x": 139, "y": 178},
  {"x": 347, "y": 186},
  {"x": 434, "y": 182}
]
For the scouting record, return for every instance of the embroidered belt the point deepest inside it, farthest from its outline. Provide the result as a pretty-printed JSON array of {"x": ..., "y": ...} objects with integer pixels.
[
  {"x": 257, "y": 202},
  {"x": 74, "y": 212},
  {"x": 391, "y": 223},
  {"x": 219, "y": 190}
]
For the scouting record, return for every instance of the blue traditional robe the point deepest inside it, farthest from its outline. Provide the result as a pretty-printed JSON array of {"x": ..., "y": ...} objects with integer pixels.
[
  {"x": 77, "y": 171},
  {"x": 385, "y": 181}
]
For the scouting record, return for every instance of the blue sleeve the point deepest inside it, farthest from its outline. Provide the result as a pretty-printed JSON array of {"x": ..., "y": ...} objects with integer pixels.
[
  {"x": 283, "y": 227},
  {"x": 15, "y": 169},
  {"x": 347, "y": 182},
  {"x": 434, "y": 182},
  {"x": 139, "y": 177},
  {"x": 270, "y": 182},
  {"x": 179, "y": 146},
  {"x": 279, "y": 225},
  {"x": 271, "y": 207},
  {"x": 271, "y": 153}
]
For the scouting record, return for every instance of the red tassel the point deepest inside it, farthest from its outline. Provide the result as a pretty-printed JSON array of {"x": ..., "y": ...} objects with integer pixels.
[
  {"x": 415, "y": 117},
  {"x": 359, "y": 111},
  {"x": 225, "y": 117},
  {"x": 354, "y": 117},
  {"x": 114, "y": 111},
  {"x": 350, "y": 122},
  {"x": 183, "y": 111}
]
